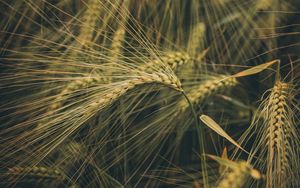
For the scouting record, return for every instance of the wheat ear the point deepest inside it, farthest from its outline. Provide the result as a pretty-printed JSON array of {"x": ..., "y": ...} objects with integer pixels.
[
  {"x": 37, "y": 173},
  {"x": 119, "y": 35},
  {"x": 173, "y": 59},
  {"x": 89, "y": 20},
  {"x": 117, "y": 92},
  {"x": 116, "y": 45},
  {"x": 209, "y": 88},
  {"x": 73, "y": 87},
  {"x": 276, "y": 139},
  {"x": 196, "y": 39},
  {"x": 279, "y": 135},
  {"x": 236, "y": 176}
]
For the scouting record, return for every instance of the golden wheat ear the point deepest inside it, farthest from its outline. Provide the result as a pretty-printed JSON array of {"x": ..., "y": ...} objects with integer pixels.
[
  {"x": 172, "y": 59},
  {"x": 214, "y": 85},
  {"x": 35, "y": 176},
  {"x": 281, "y": 136},
  {"x": 276, "y": 138}
]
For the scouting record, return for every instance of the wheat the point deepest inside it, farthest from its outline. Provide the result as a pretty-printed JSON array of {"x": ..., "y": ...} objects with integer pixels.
[
  {"x": 110, "y": 97},
  {"x": 116, "y": 45},
  {"x": 237, "y": 176},
  {"x": 278, "y": 136},
  {"x": 196, "y": 40},
  {"x": 173, "y": 59},
  {"x": 89, "y": 20},
  {"x": 37, "y": 173},
  {"x": 206, "y": 89},
  {"x": 73, "y": 87},
  {"x": 89, "y": 94},
  {"x": 119, "y": 34}
]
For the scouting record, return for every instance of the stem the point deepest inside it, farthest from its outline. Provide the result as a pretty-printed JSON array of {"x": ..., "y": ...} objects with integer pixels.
[{"x": 201, "y": 139}]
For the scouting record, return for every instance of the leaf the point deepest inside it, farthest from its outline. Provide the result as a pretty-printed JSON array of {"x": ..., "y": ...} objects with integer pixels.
[
  {"x": 217, "y": 128},
  {"x": 255, "y": 69}
]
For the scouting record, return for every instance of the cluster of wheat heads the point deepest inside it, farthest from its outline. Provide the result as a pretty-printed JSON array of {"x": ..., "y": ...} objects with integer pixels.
[{"x": 112, "y": 93}]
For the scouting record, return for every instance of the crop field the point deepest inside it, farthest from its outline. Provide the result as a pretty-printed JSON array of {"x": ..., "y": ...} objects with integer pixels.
[{"x": 149, "y": 93}]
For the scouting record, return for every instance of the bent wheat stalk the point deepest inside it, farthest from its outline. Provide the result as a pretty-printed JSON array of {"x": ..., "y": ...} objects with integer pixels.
[{"x": 60, "y": 126}]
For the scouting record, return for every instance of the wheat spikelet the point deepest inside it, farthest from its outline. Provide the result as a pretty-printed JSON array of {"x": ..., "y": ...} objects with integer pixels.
[
  {"x": 173, "y": 59},
  {"x": 209, "y": 88}
]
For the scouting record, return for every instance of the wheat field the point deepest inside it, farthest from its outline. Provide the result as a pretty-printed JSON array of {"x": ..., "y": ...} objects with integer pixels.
[{"x": 150, "y": 93}]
